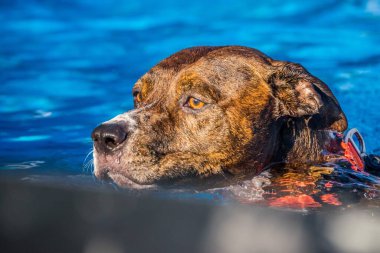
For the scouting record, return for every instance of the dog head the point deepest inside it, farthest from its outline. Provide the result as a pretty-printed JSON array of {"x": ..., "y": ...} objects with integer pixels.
[{"x": 212, "y": 110}]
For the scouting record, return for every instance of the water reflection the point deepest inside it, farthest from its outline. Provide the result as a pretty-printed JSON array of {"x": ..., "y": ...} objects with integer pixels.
[{"x": 24, "y": 165}]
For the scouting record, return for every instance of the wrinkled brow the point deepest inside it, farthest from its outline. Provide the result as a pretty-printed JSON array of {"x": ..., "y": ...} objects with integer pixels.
[
  {"x": 192, "y": 82},
  {"x": 144, "y": 84}
]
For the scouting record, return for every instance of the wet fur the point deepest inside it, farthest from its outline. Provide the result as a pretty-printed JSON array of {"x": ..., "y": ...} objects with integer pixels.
[{"x": 259, "y": 111}]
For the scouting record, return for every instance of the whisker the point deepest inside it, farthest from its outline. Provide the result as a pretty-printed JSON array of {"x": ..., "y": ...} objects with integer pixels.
[
  {"x": 88, "y": 164},
  {"x": 89, "y": 153}
]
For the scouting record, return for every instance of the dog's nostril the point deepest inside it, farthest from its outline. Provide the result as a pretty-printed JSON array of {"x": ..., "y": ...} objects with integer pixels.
[
  {"x": 111, "y": 142},
  {"x": 109, "y": 136}
]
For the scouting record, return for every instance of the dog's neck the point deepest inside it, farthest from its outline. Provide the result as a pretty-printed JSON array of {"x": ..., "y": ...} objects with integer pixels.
[{"x": 303, "y": 144}]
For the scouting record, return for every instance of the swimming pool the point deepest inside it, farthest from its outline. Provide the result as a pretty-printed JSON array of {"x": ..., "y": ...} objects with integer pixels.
[{"x": 67, "y": 66}]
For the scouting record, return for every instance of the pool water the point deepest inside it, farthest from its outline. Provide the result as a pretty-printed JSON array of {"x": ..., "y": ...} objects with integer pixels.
[{"x": 66, "y": 66}]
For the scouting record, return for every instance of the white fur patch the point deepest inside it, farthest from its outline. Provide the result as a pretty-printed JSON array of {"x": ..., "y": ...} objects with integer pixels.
[{"x": 125, "y": 118}]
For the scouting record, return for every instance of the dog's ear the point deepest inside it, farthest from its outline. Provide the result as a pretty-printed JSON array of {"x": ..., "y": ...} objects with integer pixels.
[{"x": 299, "y": 94}]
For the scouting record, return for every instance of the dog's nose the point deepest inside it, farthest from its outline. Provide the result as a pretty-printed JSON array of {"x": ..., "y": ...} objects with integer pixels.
[{"x": 107, "y": 137}]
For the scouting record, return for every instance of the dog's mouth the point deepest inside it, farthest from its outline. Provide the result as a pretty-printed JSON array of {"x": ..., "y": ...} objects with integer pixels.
[
  {"x": 110, "y": 168},
  {"x": 125, "y": 182}
]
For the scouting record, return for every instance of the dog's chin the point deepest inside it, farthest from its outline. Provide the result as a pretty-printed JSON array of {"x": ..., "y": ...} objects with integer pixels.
[
  {"x": 109, "y": 167},
  {"x": 125, "y": 182}
]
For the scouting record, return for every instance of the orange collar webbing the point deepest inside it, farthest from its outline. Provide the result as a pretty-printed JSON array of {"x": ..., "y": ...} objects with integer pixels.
[{"x": 354, "y": 154}]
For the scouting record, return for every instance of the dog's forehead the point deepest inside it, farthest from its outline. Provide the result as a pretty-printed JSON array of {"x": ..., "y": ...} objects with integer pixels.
[
  {"x": 185, "y": 57},
  {"x": 168, "y": 69},
  {"x": 224, "y": 68}
]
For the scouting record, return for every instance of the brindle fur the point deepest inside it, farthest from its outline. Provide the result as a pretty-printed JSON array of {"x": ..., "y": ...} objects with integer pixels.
[{"x": 258, "y": 111}]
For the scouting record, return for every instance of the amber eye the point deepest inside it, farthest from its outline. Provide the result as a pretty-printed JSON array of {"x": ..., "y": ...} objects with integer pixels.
[
  {"x": 137, "y": 96},
  {"x": 194, "y": 103}
]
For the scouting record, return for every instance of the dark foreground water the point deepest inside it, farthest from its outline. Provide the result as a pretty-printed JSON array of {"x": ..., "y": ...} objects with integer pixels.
[{"x": 66, "y": 66}]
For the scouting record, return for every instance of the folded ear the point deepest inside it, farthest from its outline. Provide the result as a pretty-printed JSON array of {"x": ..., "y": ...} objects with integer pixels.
[{"x": 299, "y": 94}]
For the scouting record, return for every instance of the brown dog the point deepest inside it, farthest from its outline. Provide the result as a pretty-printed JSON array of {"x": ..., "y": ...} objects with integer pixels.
[{"x": 213, "y": 110}]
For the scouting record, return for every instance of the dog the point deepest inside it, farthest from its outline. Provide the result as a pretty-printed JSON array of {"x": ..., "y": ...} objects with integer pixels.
[{"x": 227, "y": 110}]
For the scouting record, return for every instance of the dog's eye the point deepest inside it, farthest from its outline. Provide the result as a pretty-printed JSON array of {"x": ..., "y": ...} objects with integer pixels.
[
  {"x": 194, "y": 103},
  {"x": 137, "y": 96}
]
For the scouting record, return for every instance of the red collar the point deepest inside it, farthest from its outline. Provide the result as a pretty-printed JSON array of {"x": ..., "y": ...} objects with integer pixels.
[{"x": 346, "y": 143}]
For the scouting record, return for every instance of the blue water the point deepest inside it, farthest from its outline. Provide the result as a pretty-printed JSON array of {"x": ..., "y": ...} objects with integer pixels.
[{"x": 66, "y": 66}]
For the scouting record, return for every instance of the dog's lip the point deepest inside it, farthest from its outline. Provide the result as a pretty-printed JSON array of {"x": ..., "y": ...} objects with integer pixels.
[{"x": 125, "y": 182}]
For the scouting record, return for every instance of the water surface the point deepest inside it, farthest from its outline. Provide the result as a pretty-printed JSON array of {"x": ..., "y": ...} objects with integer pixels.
[{"x": 66, "y": 66}]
